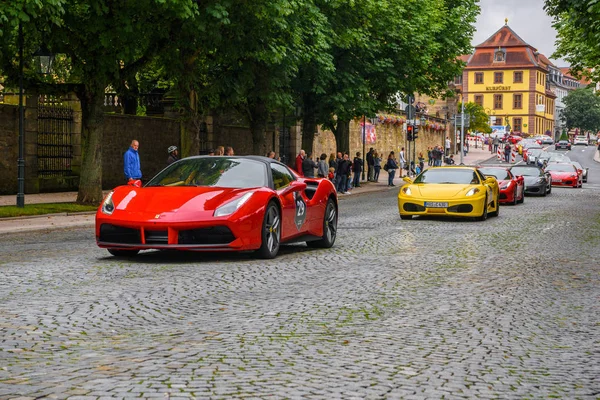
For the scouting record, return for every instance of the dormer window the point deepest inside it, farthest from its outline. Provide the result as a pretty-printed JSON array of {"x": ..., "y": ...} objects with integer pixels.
[{"x": 500, "y": 55}]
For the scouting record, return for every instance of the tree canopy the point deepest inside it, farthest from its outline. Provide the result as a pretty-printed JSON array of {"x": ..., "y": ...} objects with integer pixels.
[
  {"x": 578, "y": 34},
  {"x": 582, "y": 110}
]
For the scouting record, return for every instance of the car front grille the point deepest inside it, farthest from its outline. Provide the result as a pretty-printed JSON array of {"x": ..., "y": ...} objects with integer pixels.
[
  {"x": 156, "y": 237},
  {"x": 209, "y": 236},
  {"x": 118, "y": 234},
  {"x": 461, "y": 208},
  {"x": 412, "y": 207}
]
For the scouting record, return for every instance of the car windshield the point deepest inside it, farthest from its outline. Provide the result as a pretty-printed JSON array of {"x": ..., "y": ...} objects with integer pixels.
[
  {"x": 560, "y": 167},
  {"x": 543, "y": 155},
  {"x": 534, "y": 152},
  {"x": 227, "y": 172},
  {"x": 500, "y": 174},
  {"x": 448, "y": 175},
  {"x": 558, "y": 157},
  {"x": 525, "y": 171},
  {"x": 577, "y": 165}
]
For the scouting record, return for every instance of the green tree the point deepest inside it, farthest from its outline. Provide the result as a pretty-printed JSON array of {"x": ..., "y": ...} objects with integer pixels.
[
  {"x": 105, "y": 43},
  {"x": 478, "y": 118},
  {"x": 577, "y": 19},
  {"x": 582, "y": 110}
]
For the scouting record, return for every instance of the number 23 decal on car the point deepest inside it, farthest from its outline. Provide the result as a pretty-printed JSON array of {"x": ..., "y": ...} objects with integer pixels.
[{"x": 300, "y": 215}]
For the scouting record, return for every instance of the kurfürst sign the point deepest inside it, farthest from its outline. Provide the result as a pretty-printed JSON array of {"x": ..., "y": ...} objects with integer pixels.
[{"x": 497, "y": 88}]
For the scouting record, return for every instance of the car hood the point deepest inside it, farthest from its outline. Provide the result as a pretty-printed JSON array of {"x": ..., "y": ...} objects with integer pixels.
[
  {"x": 531, "y": 179},
  {"x": 445, "y": 191},
  {"x": 561, "y": 174},
  {"x": 172, "y": 199}
]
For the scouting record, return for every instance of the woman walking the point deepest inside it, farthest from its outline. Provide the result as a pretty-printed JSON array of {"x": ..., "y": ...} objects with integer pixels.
[
  {"x": 392, "y": 166},
  {"x": 376, "y": 166}
]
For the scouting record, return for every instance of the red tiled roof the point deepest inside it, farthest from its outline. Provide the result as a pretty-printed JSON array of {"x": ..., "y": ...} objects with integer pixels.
[
  {"x": 504, "y": 37},
  {"x": 545, "y": 60},
  {"x": 519, "y": 58}
]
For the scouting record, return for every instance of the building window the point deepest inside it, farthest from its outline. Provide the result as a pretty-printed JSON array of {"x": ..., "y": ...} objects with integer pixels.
[
  {"x": 479, "y": 100},
  {"x": 518, "y": 77},
  {"x": 458, "y": 80},
  {"x": 498, "y": 121},
  {"x": 497, "y": 101},
  {"x": 498, "y": 77},
  {"x": 499, "y": 55},
  {"x": 517, "y": 101},
  {"x": 478, "y": 77},
  {"x": 517, "y": 124}
]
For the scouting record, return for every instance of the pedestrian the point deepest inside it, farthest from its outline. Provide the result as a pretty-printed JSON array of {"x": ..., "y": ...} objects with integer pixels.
[
  {"x": 376, "y": 166},
  {"x": 229, "y": 151},
  {"x": 466, "y": 147},
  {"x": 370, "y": 165},
  {"x": 349, "y": 178},
  {"x": 332, "y": 161},
  {"x": 220, "y": 151},
  {"x": 131, "y": 162},
  {"x": 172, "y": 155},
  {"x": 211, "y": 152},
  {"x": 357, "y": 168},
  {"x": 308, "y": 166},
  {"x": 421, "y": 161},
  {"x": 402, "y": 162},
  {"x": 448, "y": 144},
  {"x": 323, "y": 169},
  {"x": 507, "y": 150},
  {"x": 450, "y": 160},
  {"x": 271, "y": 154},
  {"x": 343, "y": 169},
  {"x": 429, "y": 157},
  {"x": 392, "y": 166},
  {"x": 496, "y": 143},
  {"x": 299, "y": 159},
  {"x": 338, "y": 159}
]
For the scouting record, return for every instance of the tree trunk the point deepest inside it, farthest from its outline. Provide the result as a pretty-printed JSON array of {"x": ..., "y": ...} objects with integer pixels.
[
  {"x": 90, "y": 179},
  {"x": 309, "y": 123},
  {"x": 258, "y": 126},
  {"x": 342, "y": 136}
]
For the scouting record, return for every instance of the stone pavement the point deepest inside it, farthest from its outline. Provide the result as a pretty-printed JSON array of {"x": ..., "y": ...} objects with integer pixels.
[{"x": 64, "y": 220}]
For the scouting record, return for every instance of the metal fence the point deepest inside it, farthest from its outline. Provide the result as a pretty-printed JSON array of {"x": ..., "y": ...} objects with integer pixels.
[{"x": 55, "y": 132}]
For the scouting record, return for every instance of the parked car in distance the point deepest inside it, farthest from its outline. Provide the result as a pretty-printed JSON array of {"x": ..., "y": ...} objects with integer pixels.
[
  {"x": 581, "y": 140},
  {"x": 562, "y": 144},
  {"x": 537, "y": 181},
  {"x": 547, "y": 140}
]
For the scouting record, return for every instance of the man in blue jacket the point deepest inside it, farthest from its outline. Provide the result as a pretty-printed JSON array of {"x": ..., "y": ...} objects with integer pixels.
[{"x": 131, "y": 162}]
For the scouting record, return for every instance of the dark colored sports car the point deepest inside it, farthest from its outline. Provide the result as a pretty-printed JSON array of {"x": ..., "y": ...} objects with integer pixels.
[
  {"x": 537, "y": 181},
  {"x": 562, "y": 144},
  {"x": 211, "y": 203},
  {"x": 512, "y": 187}
]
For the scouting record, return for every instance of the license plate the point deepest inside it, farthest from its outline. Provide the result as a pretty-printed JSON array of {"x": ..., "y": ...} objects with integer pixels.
[
  {"x": 557, "y": 180},
  {"x": 435, "y": 204}
]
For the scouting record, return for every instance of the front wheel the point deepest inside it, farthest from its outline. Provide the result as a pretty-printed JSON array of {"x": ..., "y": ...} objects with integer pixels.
[
  {"x": 484, "y": 215},
  {"x": 329, "y": 228},
  {"x": 405, "y": 217},
  {"x": 270, "y": 233},
  {"x": 123, "y": 253}
]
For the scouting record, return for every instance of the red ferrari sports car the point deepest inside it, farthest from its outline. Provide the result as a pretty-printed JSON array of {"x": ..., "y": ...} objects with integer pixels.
[
  {"x": 512, "y": 187},
  {"x": 564, "y": 174},
  {"x": 212, "y": 203}
]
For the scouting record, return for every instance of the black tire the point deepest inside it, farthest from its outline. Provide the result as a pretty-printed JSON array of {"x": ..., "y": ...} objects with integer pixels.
[
  {"x": 515, "y": 200},
  {"x": 484, "y": 215},
  {"x": 123, "y": 253},
  {"x": 270, "y": 232},
  {"x": 549, "y": 189},
  {"x": 405, "y": 217},
  {"x": 330, "y": 220},
  {"x": 522, "y": 196}
]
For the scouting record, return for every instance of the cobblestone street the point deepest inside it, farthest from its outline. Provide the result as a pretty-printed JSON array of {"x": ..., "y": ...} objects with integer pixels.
[{"x": 428, "y": 308}]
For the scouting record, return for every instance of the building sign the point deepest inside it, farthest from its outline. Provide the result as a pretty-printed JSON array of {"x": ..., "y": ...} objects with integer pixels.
[
  {"x": 497, "y": 88},
  {"x": 370, "y": 134}
]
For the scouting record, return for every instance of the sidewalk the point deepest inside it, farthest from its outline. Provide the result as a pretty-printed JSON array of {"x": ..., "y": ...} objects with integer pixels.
[{"x": 55, "y": 221}]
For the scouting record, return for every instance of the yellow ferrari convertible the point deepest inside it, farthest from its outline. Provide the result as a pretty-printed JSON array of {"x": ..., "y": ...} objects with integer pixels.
[{"x": 457, "y": 191}]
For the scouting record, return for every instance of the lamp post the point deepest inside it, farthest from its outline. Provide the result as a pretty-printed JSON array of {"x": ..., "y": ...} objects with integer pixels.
[
  {"x": 45, "y": 60},
  {"x": 364, "y": 137},
  {"x": 462, "y": 130}
]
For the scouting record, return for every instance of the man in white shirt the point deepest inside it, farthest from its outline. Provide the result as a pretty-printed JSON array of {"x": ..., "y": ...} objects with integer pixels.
[
  {"x": 402, "y": 161},
  {"x": 448, "y": 144}
]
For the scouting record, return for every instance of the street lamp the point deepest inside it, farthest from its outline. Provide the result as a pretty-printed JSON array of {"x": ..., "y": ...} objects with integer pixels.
[{"x": 45, "y": 59}]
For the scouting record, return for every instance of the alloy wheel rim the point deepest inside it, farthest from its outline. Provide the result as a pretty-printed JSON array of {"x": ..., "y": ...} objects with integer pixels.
[
  {"x": 272, "y": 229},
  {"x": 330, "y": 223}
]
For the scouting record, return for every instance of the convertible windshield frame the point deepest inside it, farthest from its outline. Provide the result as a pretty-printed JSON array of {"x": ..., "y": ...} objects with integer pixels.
[
  {"x": 458, "y": 176},
  {"x": 213, "y": 171}
]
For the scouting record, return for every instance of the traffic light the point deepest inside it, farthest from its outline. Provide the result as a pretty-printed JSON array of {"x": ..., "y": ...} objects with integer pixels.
[
  {"x": 415, "y": 133},
  {"x": 409, "y": 132}
]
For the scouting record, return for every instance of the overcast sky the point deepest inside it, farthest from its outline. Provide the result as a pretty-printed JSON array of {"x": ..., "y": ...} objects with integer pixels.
[{"x": 526, "y": 17}]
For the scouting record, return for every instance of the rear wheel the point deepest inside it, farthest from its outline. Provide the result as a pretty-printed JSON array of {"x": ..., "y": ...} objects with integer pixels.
[
  {"x": 515, "y": 200},
  {"x": 522, "y": 200},
  {"x": 329, "y": 228},
  {"x": 270, "y": 233},
  {"x": 123, "y": 253}
]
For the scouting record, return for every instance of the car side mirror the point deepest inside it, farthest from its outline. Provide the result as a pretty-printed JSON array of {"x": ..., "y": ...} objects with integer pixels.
[
  {"x": 294, "y": 186},
  {"x": 135, "y": 183},
  {"x": 490, "y": 179},
  {"x": 407, "y": 179}
]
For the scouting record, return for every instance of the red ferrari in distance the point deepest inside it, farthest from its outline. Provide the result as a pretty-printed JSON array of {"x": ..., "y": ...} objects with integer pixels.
[
  {"x": 564, "y": 174},
  {"x": 211, "y": 203},
  {"x": 512, "y": 187}
]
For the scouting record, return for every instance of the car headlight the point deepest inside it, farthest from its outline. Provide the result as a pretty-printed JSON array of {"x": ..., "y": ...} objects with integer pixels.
[
  {"x": 232, "y": 206},
  {"x": 406, "y": 190},
  {"x": 541, "y": 180},
  {"x": 506, "y": 185},
  {"x": 472, "y": 192},
  {"x": 107, "y": 205}
]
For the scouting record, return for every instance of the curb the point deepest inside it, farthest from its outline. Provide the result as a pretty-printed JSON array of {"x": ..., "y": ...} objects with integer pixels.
[{"x": 64, "y": 214}]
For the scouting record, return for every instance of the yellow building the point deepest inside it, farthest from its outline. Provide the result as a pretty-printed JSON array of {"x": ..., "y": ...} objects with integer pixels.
[{"x": 507, "y": 77}]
